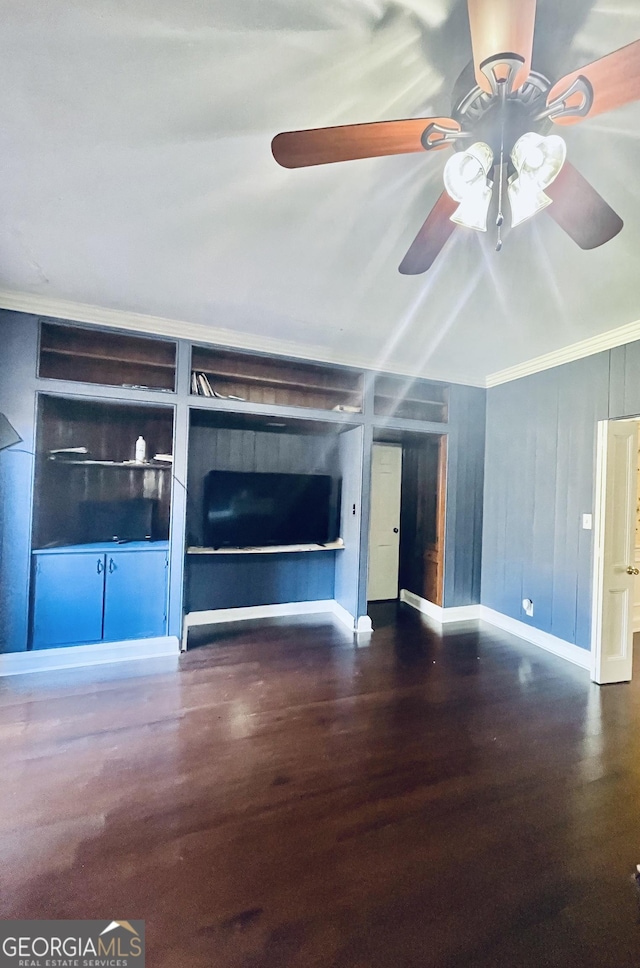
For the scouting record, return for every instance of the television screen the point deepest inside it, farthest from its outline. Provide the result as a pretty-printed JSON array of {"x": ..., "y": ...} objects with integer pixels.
[
  {"x": 124, "y": 520},
  {"x": 249, "y": 510}
]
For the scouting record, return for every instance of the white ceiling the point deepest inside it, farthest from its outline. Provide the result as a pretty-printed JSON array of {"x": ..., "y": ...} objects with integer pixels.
[{"x": 136, "y": 174}]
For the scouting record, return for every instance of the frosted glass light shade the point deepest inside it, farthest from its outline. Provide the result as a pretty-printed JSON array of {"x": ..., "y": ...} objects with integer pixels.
[
  {"x": 538, "y": 161},
  {"x": 539, "y": 158},
  {"x": 473, "y": 210},
  {"x": 525, "y": 198},
  {"x": 465, "y": 179},
  {"x": 465, "y": 169}
]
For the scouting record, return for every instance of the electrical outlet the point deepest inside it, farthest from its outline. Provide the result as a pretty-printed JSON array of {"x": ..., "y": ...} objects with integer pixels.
[{"x": 527, "y": 605}]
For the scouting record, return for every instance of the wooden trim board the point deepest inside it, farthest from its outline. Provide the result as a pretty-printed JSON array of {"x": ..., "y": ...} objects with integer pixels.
[{"x": 78, "y": 656}]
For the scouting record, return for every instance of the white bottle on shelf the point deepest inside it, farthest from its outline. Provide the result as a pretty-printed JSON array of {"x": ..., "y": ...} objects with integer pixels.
[{"x": 141, "y": 450}]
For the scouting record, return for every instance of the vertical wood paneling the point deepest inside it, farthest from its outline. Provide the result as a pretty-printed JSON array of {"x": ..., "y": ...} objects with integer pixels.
[
  {"x": 537, "y": 579},
  {"x": 350, "y": 465},
  {"x": 539, "y": 474},
  {"x": 228, "y": 581},
  {"x": 625, "y": 380},
  {"x": 465, "y": 480},
  {"x": 179, "y": 492},
  {"x": 18, "y": 338}
]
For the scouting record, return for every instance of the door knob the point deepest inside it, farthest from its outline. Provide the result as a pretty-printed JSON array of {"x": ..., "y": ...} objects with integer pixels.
[
  {"x": 395, "y": 530},
  {"x": 633, "y": 571}
]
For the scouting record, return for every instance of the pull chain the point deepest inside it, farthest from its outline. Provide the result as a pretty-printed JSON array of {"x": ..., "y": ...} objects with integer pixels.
[{"x": 500, "y": 218}]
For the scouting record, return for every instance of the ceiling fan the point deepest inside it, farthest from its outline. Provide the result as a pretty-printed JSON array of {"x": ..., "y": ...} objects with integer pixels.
[{"x": 499, "y": 133}]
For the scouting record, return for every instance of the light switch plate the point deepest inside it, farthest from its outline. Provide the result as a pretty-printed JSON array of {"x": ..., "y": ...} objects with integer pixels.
[{"x": 587, "y": 522}]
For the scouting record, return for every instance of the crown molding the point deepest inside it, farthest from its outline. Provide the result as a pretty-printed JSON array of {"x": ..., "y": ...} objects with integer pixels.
[
  {"x": 575, "y": 351},
  {"x": 63, "y": 309}
]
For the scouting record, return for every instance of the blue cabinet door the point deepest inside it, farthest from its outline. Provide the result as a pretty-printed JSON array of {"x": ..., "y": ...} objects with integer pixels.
[
  {"x": 135, "y": 595},
  {"x": 68, "y": 599}
]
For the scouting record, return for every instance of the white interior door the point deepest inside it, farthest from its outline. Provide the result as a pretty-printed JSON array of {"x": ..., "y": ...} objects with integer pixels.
[
  {"x": 384, "y": 523},
  {"x": 614, "y": 570}
]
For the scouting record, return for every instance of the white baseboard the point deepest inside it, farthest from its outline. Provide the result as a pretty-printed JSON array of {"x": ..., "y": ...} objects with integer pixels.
[
  {"x": 466, "y": 613},
  {"x": 345, "y": 617},
  {"x": 550, "y": 643},
  {"x": 217, "y": 616},
  {"x": 444, "y": 616},
  {"x": 78, "y": 656}
]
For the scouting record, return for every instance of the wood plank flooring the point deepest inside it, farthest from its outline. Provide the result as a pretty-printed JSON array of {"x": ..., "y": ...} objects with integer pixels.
[{"x": 283, "y": 799}]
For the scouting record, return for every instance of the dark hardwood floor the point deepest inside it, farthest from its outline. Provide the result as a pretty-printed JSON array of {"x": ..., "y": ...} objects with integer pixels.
[{"x": 287, "y": 800}]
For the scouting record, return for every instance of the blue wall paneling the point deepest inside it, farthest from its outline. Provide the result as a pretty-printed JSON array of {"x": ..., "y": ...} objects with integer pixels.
[
  {"x": 179, "y": 490},
  {"x": 465, "y": 485},
  {"x": 244, "y": 580},
  {"x": 539, "y": 480},
  {"x": 350, "y": 461},
  {"x": 19, "y": 341}
]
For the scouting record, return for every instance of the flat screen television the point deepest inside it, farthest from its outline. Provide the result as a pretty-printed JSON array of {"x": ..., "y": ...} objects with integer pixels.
[
  {"x": 251, "y": 510},
  {"x": 123, "y": 520}
]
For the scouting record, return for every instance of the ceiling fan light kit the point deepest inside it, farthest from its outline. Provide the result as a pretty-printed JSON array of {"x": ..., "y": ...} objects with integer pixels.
[
  {"x": 499, "y": 134},
  {"x": 466, "y": 181},
  {"x": 538, "y": 162}
]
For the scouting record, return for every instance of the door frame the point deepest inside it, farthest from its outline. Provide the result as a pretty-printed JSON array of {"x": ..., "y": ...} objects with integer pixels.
[
  {"x": 599, "y": 534},
  {"x": 400, "y": 437}
]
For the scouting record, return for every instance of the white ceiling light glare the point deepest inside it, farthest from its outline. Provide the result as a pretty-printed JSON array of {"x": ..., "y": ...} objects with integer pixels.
[
  {"x": 466, "y": 181},
  {"x": 538, "y": 160}
]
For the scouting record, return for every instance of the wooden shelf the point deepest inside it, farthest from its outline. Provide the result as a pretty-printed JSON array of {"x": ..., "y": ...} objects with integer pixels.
[
  {"x": 276, "y": 381},
  {"x": 87, "y": 355},
  {"x": 402, "y": 399},
  {"x": 410, "y": 399},
  {"x": 91, "y": 355}
]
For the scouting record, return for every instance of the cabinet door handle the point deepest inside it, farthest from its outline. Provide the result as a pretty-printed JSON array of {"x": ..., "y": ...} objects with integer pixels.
[
  {"x": 100, "y": 567},
  {"x": 112, "y": 566}
]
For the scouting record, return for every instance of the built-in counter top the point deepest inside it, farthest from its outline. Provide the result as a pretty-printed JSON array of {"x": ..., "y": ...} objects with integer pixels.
[
  {"x": 104, "y": 547},
  {"x": 268, "y": 549}
]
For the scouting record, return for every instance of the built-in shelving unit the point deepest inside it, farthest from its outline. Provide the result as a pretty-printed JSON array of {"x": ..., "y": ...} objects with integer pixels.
[
  {"x": 229, "y": 375},
  {"x": 86, "y": 472},
  {"x": 396, "y": 396},
  {"x": 111, "y": 359}
]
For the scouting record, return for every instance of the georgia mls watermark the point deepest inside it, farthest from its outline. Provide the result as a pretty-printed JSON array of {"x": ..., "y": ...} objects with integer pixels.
[{"x": 71, "y": 944}]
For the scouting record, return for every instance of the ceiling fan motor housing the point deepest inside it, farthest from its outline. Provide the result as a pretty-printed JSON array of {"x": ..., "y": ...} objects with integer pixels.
[{"x": 481, "y": 115}]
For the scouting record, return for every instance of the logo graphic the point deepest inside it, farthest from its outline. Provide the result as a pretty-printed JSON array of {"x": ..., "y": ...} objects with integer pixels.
[
  {"x": 72, "y": 944},
  {"x": 118, "y": 924}
]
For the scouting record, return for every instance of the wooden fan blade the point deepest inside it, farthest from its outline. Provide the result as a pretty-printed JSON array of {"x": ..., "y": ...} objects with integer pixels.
[
  {"x": 615, "y": 80},
  {"x": 321, "y": 146},
  {"x": 501, "y": 29},
  {"x": 580, "y": 210},
  {"x": 431, "y": 238}
]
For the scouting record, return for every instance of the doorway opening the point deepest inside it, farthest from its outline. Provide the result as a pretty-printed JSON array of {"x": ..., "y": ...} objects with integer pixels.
[
  {"x": 616, "y": 572},
  {"x": 407, "y": 519}
]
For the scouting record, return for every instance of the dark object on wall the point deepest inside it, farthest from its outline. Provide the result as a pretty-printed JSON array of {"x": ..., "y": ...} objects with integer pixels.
[
  {"x": 8, "y": 434},
  {"x": 246, "y": 510},
  {"x": 127, "y": 520}
]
